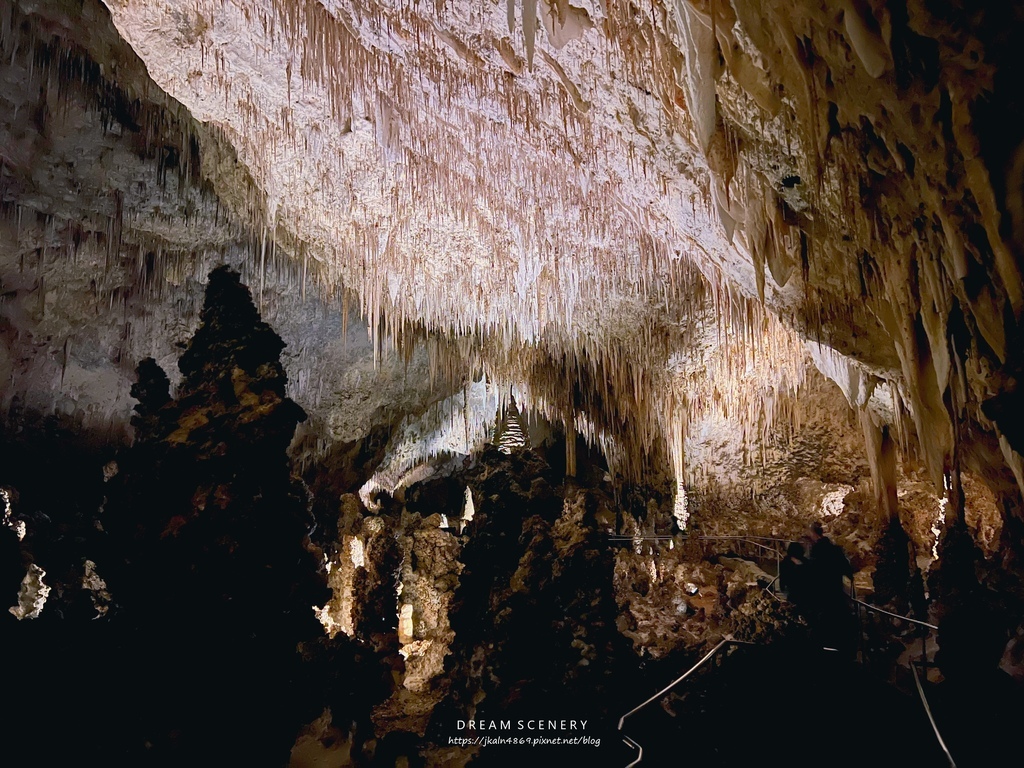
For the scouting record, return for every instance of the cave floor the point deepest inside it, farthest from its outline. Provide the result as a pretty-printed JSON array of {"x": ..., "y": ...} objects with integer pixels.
[{"x": 787, "y": 705}]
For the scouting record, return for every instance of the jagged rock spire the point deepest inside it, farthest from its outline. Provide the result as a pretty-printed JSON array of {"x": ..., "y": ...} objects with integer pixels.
[{"x": 232, "y": 335}]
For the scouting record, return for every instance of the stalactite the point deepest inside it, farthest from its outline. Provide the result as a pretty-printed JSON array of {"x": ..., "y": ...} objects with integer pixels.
[{"x": 556, "y": 177}]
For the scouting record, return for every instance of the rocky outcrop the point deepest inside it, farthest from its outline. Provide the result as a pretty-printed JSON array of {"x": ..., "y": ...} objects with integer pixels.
[
  {"x": 534, "y": 615},
  {"x": 115, "y": 204},
  {"x": 429, "y": 579},
  {"x": 210, "y": 528},
  {"x": 667, "y": 228},
  {"x": 181, "y": 576}
]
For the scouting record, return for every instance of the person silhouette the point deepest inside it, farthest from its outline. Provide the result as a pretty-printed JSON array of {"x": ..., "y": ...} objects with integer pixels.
[
  {"x": 830, "y": 618},
  {"x": 794, "y": 574},
  {"x": 828, "y": 562}
]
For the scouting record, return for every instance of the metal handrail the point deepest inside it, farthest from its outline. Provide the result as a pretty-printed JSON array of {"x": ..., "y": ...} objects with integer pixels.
[
  {"x": 632, "y": 744},
  {"x": 931, "y": 719},
  {"x": 925, "y": 626},
  {"x": 624, "y": 539},
  {"x": 750, "y": 538},
  {"x": 913, "y": 668},
  {"x": 775, "y": 548},
  {"x": 725, "y": 641},
  {"x": 728, "y": 640},
  {"x": 667, "y": 537},
  {"x": 876, "y": 609}
]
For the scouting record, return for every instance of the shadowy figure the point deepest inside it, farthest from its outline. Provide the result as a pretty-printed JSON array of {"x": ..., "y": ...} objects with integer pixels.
[
  {"x": 978, "y": 707},
  {"x": 794, "y": 574},
  {"x": 828, "y": 563},
  {"x": 832, "y": 623}
]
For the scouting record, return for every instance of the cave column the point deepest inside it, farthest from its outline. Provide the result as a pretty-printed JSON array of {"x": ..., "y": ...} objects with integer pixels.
[
  {"x": 896, "y": 579},
  {"x": 881, "y": 452}
]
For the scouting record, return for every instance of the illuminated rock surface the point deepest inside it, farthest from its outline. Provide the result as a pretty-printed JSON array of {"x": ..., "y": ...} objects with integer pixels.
[{"x": 733, "y": 265}]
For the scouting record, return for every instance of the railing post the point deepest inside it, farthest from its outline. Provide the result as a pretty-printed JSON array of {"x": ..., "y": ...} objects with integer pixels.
[
  {"x": 858, "y": 618},
  {"x": 778, "y": 566}
]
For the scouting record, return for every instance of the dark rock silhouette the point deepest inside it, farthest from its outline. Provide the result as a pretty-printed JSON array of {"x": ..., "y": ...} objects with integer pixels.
[
  {"x": 535, "y": 614},
  {"x": 152, "y": 389},
  {"x": 216, "y": 577},
  {"x": 211, "y": 653},
  {"x": 955, "y": 573},
  {"x": 978, "y": 707},
  {"x": 897, "y": 578}
]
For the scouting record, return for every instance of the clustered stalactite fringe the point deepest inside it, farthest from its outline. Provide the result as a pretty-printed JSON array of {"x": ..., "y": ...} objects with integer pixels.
[
  {"x": 480, "y": 187},
  {"x": 631, "y": 396},
  {"x": 911, "y": 271},
  {"x": 435, "y": 163},
  {"x": 562, "y": 199},
  {"x": 386, "y": 320},
  {"x": 165, "y": 202}
]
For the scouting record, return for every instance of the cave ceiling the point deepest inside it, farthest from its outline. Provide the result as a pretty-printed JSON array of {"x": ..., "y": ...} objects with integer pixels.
[{"x": 659, "y": 222}]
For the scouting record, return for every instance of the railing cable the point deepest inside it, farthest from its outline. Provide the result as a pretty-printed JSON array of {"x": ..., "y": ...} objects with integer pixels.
[
  {"x": 931, "y": 719},
  {"x": 876, "y": 609},
  {"x": 729, "y": 640},
  {"x": 710, "y": 654}
]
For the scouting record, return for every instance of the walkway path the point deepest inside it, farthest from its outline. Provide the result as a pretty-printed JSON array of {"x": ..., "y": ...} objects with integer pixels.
[{"x": 777, "y": 705}]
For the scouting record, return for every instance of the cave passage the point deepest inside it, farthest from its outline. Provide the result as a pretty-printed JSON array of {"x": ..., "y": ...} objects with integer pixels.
[{"x": 390, "y": 385}]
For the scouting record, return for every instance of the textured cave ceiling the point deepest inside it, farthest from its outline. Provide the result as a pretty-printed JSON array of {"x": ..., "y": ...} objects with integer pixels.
[{"x": 661, "y": 222}]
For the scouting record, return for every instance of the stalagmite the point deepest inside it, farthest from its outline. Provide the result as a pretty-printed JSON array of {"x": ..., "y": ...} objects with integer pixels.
[
  {"x": 32, "y": 596},
  {"x": 736, "y": 254}
]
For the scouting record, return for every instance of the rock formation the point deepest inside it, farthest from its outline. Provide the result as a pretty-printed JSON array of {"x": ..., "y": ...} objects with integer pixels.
[{"x": 270, "y": 270}]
